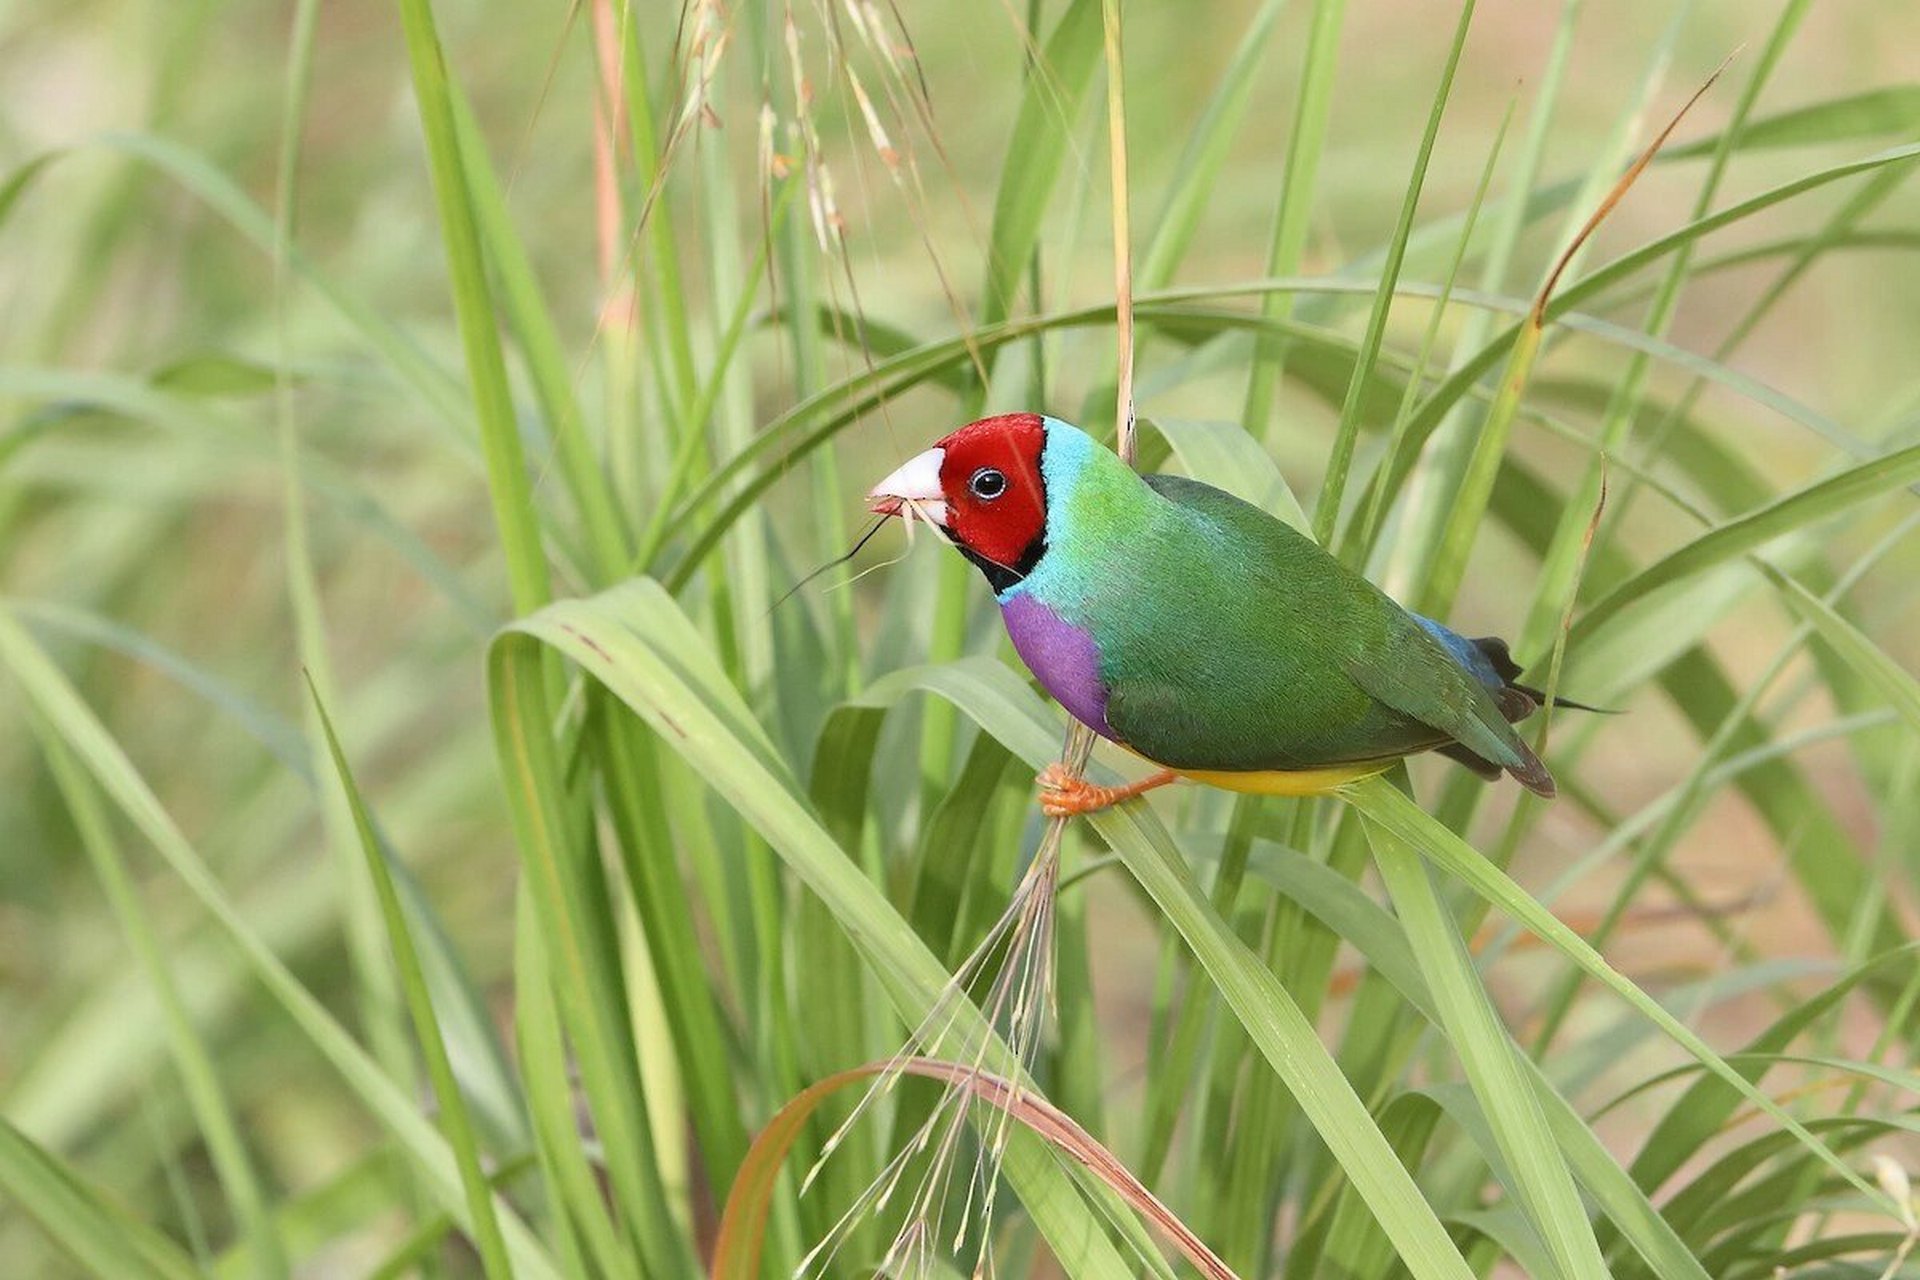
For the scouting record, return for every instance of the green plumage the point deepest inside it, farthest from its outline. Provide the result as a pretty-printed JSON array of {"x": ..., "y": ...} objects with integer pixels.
[{"x": 1227, "y": 640}]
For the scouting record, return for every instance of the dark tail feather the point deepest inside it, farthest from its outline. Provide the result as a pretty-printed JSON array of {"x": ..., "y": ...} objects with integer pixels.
[
  {"x": 1563, "y": 704},
  {"x": 1516, "y": 702},
  {"x": 1501, "y": 658},
  {"x": 1459, "y": 754},
  {"x": 1530, "y": 773}
]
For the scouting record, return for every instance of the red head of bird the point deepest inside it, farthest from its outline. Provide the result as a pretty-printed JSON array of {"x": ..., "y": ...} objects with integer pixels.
[{"x": 982, "y": 486}]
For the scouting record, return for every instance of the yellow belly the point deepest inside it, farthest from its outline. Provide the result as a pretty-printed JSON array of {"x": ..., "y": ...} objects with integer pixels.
[
  {"x": 1275, "y": 782},
  {"x": 1286, "y": 782}
]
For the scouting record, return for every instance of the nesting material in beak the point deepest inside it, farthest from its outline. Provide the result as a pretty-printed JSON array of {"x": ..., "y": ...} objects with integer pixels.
[{"x": 913, "y": 490}]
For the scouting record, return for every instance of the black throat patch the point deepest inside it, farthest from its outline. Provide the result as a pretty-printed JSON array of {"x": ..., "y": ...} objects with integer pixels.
[{"x": 999, "y": 576}]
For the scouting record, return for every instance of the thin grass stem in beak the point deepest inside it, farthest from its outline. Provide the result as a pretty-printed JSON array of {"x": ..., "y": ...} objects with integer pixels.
[{"x": 915, "y": 486}]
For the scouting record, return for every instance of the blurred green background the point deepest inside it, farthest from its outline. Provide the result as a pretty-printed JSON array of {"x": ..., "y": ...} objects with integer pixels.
[{"x": 167, "y": 380}]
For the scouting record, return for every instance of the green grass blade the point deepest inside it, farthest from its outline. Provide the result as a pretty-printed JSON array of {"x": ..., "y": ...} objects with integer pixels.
[
  {"x": 1568, "y": 554},
  {"x": 1708, "y": 1104},
  {"x": 1870, "y": 114},
  {"x": 1049, "y": 108},
  {"x": 1468, "y": 501},
  {"x": 633, "y": 639},
  {"x": 1827, "y": 862},
  {"x": 653, "y": 133},
  {"x": 1205, "y": 154},
  {"x": 568, "y": 888},
  {"x": 1449, "y": 564},
  {"x": 483, "y": 1069},
  {"x": 1351, "y": 1244},
  {"x": 1226, "y": 457},
  {"x": 1363, "y": 532},
  {"x": 192, "y": 1057},
  {"x": 378, "y": 997},
  {"x": 95, "y": 749},
  {"x": 1825, "y": 499},
  {"x": 335, "y": 1207},
  {"x": 1887, "y": 677},
  {"x": 1006, "y": 708},
  {"x": 638, "y": 811},
  {"x": 1288, "y": 1042},
  {"x": 576, "y": 1199},
  {"x": 98, "y": 1234},
  {"x": 507, "y": 477},
  {"x": 21, "y": 179},
  {"x": 1358, "y": 920},
  {"x": 1435, "y": 483},
  {"x": 1389, "y": 809},
  {"x": 1628, "y": 264},
  {"x": 1326, "y": 511},
  {"x": 199, "y": 425},
  {"x": 1306, "y": 141},
  {"x": 455, "y": 1117},
  {"x": 195, "y": 174},
  {"x": 1541, "y": 1181},
  {"x": 280, "y": 737},
  {"x": 548, "y": 368}
]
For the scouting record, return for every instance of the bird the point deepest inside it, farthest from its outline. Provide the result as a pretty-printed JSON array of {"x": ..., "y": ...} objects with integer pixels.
[{"x": 1199, "y": 632}]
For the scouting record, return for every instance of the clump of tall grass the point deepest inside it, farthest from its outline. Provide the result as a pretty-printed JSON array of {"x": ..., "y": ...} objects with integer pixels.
[{"x": 478, "y": 874}]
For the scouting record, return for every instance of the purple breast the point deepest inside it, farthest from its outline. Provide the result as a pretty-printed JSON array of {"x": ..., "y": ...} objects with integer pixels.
[{"x": 1062, "y": 656}]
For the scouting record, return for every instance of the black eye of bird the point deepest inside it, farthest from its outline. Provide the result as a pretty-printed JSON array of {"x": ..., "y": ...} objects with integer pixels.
[{"x": 987, "y": 484}]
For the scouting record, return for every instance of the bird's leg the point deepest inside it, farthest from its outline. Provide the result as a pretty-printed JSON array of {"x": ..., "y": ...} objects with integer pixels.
[{"x": 1065, "y": 795}]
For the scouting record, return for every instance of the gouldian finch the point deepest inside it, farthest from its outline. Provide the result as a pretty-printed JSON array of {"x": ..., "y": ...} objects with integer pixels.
[{"x": 1199, "y": 632}]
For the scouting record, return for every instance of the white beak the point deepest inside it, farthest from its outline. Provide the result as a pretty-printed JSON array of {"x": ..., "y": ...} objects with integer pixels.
[{"x": 916, "y": 483}]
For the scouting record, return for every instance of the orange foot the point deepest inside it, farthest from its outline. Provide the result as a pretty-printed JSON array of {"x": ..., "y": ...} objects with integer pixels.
[{"x": 1065, "y": 795}]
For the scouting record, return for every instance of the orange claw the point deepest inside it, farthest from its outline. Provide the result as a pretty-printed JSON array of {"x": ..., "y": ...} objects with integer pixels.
[{"x": 1067, "y": 795}]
